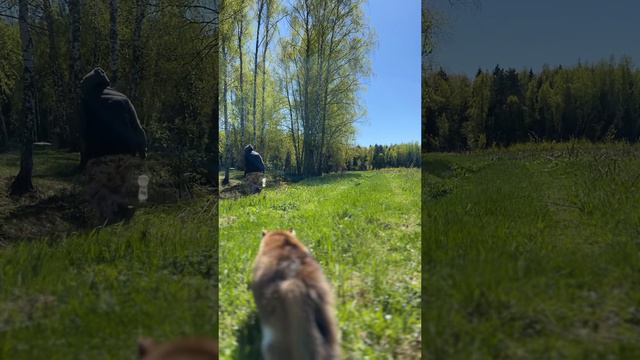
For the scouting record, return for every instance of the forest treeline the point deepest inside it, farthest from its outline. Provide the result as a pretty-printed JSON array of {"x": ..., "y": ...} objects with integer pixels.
[
  {"x": 290, "y": 76},
  {"x": 357, "y": 158},
  {"x": 382, "y": 156},
  {"x": 597, "y": 102},
  {"x": 161, "y": 54}
]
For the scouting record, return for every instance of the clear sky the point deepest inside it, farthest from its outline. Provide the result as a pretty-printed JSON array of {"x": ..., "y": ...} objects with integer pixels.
[
  {"x": 526, "y": 33},
  {"x": 392, "y": 95}
]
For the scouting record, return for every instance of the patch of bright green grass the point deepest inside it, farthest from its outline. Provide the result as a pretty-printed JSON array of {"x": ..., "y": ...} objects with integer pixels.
[
  {"x": 364, "y": 230},
  {"x": 532, "y": 252},
  {"x": 92, "y": 294}
]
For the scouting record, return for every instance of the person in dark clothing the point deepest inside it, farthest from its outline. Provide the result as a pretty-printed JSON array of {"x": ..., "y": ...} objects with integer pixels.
[
  {"x": 109, "y": 123},
  {"x": 253, "y": 171},
  {"x": 252, "y": 161}
]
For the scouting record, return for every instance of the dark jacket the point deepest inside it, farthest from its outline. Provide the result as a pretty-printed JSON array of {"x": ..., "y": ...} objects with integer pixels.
[
  {"x": 252, "y": 161},
  {"x": 109, "y": 123}
]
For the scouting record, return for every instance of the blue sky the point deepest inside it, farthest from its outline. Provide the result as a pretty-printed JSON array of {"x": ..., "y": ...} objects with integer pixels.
[
  {"x": 525, "y": 33},
  {"x": 392, "y": 95}
]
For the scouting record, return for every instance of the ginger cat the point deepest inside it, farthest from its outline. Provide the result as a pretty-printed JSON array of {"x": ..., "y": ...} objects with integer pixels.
[
  {"x": 294, "y": 301},
  {"x": 183, "y": 349}
]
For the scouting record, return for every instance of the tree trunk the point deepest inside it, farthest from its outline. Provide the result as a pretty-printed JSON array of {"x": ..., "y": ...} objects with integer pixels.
[
  {"x": 264, "y": 76},
  {"x": 295, "y": 135},
  {"x": 308, "y": 167},
  {"x": 136, "y": 53},
  {"x": 113, "y": 38},
  {"x": 213, "y": 158},
  {"x": 23, "y": 184},
  {"x": 57, "y": 116},
  {"x": 255, "y": 70},
  {"x": 4, "y": 135},
  {"x": 327, "y": 81},
  {"x": 76, "y": 143},
  {"x": 96, "y": 33},
  {"x": 227, "y": 140},
  {"x": 242, "y": 119}
]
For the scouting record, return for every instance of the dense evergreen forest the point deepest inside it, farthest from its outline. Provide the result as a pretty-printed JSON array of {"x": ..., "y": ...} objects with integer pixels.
[
  {"x": 598, "y": 102},
  {"x": 290, "y": 77},
  {"x": 161, "y": 54}
]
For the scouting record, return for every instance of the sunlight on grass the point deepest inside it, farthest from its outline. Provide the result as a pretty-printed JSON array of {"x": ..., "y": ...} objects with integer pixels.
[
  {"x": 363, "y": 228},
  {"x": 92, "y": 293},
  {"x": 532, "y": 252}
]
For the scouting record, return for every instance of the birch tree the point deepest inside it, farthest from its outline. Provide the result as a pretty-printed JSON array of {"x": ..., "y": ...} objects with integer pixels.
[
  {"x": 22, "y": 183},
  {"x": 259, "y": 11},
  {"x": 58, "y": 116},
  {"x": 75, "y": 75},
  {"x": 240, "y": 29}
]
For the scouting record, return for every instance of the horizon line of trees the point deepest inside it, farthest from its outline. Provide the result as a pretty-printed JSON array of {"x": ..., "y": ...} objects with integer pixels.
[
  {"x": 374, "y": 157},
  {"x": 597, "y": 102},
  {"x": 355, "y": 158}
]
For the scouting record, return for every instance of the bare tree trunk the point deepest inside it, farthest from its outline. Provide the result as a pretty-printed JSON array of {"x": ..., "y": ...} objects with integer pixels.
[
  {"x": 308, "y": 143},
  {"x": 255, "y": 70},
  {"x": 327, "y": 81},
  {"x": 96, "y": 33},
  {"x": 23, "y": 184},
  {"x": 58, "y": 114},
  {"x": 295, "y": 135},
  {"x": 213, "y": 149},
  {"x": 227, "y": 150},
  {"x": 264, "y": 75},
  {"x": 113, "y": 38},
  {"x": 4, "y": 135},
  {"x": 241, "y": 84},
  {"x": 76, "y": 141},
  {"x": 317, "y": 116},
  {"x": 136, "y": 53}
]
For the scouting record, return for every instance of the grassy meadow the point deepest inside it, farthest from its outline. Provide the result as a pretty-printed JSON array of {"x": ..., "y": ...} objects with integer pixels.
[
  {"x": 532, "y": 253},
  {"x": 364, "y": 230},
  {"x": 91, "y": 293}
]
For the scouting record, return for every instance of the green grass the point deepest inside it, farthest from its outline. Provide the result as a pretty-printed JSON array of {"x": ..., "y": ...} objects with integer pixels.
[
  {"x": 91, "y": 294},
  {"x": 363, "y": 228},
  {"x": 532, "y": 252}
]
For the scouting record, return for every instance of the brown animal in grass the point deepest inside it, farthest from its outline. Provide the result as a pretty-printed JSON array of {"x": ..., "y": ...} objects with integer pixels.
[
  {"x": 183, "y": 349},
  {"x": 294, "y": 301}
]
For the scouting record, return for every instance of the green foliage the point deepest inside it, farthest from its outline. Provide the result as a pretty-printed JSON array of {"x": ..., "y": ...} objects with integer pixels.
[
  {"x": 311, "y": 81},
  {"x": 174, "y": 97},
  {"x": 382, "y": 156},
  {"x": 532, "y": 252},
  {"x": 366, "y": 241},
  {"x": 598, "y": 102},
  {"x": 9, "y": 60}
]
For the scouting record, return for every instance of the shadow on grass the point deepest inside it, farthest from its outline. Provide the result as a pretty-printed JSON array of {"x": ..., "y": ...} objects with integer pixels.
[
  {"x": 330, "y": 178},
  {"x": 248, "y": 338},
  {"x": 437, "y": 167},
  {"x": 58, "y": 171}
]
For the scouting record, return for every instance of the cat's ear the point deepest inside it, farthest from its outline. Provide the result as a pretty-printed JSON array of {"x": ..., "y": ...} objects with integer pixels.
[
  {"x": 293, "y": 232},
  {"x": 264, "y": 232},
  {"x": 145, "y": 345}
]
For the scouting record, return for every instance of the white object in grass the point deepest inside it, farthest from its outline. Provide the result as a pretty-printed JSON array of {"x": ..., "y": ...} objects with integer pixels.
[
  {"x": 264, "y": 182},
  {"x": 143, "y": 193}
]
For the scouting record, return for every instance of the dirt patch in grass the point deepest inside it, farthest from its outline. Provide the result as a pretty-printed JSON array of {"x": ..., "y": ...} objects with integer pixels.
[{"x": 67, "y": 201}]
